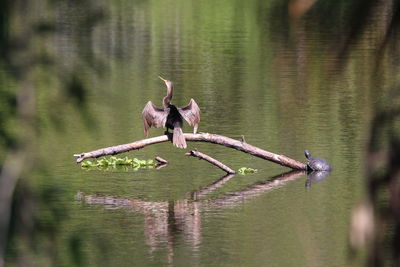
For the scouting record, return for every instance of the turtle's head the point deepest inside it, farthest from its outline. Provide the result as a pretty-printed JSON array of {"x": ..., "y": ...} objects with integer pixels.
[{"x": 307, "y": 153}]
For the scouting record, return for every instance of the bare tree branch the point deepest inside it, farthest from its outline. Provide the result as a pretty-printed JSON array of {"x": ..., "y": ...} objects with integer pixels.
[
  {"x": 198, "y": 154},
  {"x": 161, "y": 160},
  {"x": 199, "y": 137}
]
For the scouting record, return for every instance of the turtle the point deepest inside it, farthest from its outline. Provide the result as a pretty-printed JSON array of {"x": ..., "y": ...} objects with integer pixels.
[{"x": 316, "y": 164}]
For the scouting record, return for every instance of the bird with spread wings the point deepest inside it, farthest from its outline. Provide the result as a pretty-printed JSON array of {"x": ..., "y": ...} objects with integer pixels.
[{"x": 171, "y": 117}]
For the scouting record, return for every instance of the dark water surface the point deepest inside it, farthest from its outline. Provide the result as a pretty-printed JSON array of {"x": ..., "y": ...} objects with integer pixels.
[{"x": 286, "y": 84}]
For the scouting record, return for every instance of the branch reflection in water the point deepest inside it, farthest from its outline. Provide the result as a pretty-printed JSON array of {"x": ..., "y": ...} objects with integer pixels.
[
  {"x": 237, "y": 198},
  {"x": 208, "y": 189},
  {"x": 164, "y": 220}
]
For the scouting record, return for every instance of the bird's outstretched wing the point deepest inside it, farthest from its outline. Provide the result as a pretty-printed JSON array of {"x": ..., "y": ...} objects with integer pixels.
[
  {"x": 153, "y": 117},
  {"x": 191, "y": 113}
]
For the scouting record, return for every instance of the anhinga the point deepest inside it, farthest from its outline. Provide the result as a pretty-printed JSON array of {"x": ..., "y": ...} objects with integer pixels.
[{"x": 170, "y": 116}]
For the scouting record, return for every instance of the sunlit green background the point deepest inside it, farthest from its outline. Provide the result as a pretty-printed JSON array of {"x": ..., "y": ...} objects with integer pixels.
[{"x": 287, "y": 75}]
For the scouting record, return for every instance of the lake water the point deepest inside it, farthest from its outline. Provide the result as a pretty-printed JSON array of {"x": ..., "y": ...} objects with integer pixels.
[{"x": 285, "y": 83}]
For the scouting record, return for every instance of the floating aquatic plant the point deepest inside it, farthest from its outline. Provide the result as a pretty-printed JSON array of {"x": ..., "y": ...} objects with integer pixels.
[
  {"x": 114, "y": 162},
  {"x": 245, "y": 170}
]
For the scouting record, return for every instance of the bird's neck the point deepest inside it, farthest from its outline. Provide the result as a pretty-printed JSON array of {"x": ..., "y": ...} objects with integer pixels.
[{"x": 167, "y": 99}]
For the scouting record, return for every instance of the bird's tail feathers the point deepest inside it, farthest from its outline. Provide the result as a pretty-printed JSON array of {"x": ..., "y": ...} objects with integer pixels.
[{"x": 178, "y": 139}]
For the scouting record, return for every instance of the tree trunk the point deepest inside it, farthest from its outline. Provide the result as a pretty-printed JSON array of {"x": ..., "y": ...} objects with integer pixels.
[{"x": 199, "y": 137}]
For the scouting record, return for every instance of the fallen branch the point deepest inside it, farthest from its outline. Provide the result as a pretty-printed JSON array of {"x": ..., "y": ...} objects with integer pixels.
[
  {"x": 161, "y": 160},
  {"x": 199, "y": 137},
  {"x": 198, "y": 154}
]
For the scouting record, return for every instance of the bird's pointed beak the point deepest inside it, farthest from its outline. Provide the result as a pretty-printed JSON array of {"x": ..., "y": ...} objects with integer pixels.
[{"x": 162, "y": 79}]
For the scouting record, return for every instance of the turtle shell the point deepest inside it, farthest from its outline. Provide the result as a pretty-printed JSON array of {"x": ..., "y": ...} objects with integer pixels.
[{"x": 317, "y": 164}]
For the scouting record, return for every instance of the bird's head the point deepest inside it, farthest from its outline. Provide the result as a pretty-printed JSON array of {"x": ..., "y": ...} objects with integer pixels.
[{"x": 168, "y": 83}]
